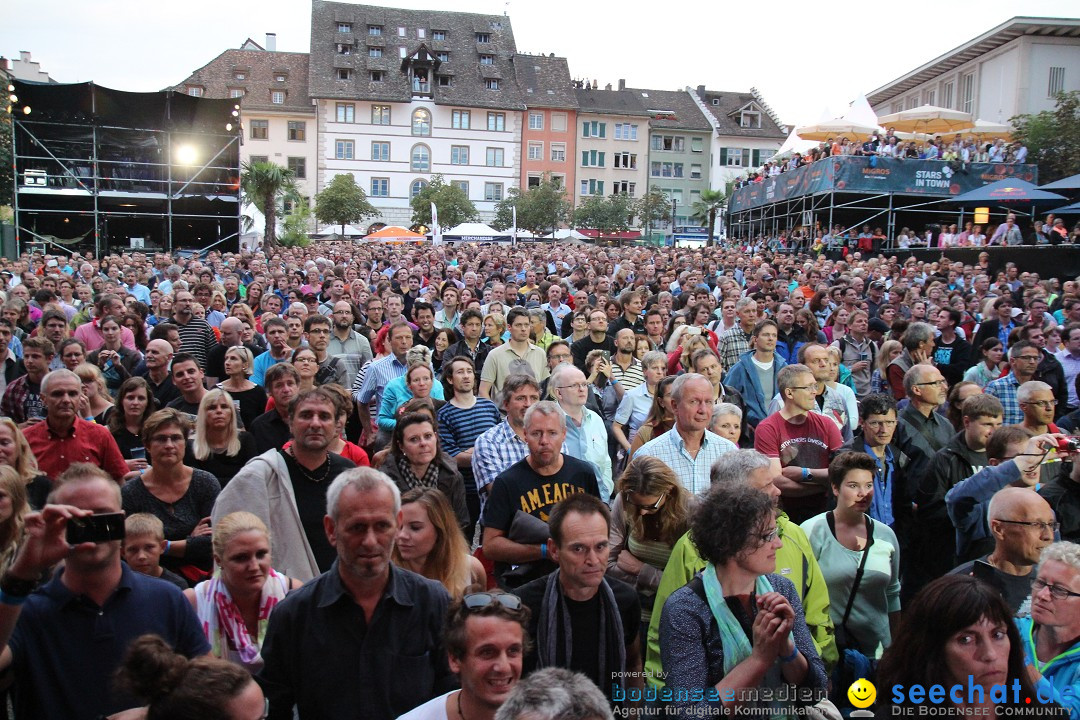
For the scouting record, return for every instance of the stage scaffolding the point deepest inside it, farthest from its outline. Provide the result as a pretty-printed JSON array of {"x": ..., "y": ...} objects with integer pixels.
[
  {"x": 105, "y": 171},
  {"x": 856, "y": 191}
]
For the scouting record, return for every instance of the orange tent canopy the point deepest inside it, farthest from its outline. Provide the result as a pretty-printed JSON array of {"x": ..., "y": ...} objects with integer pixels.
[{"x": 395, "y": 232}]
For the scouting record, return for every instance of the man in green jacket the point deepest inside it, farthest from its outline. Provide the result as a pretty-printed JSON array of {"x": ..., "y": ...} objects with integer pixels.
[{"x": 795, "y": 561}]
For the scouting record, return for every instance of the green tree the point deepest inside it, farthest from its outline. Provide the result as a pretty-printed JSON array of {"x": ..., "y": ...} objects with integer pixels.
[
  {"x": 265, "y": 185},
  {"x": 295, "y": 226},
  {"x": 607, "y": 214},
  {"x": 343, "y": 202},
  {"x": 1052, "y": 137},
  {"x": 451, "y": 201},
  {"x": 707, "y": 208},
  {"x": 540, "y": 208},
  {"x": 7, "y": 179},
  {"x": 653, "y": 207}
]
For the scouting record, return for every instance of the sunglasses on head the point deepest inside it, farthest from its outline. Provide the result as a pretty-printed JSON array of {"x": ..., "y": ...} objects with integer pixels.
[{"x": 475, "y": 601}]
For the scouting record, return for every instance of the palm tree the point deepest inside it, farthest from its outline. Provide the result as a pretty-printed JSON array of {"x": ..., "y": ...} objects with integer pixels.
[
  {"x": 707, "y": 208},
  {"x": 263, "y": 184}
]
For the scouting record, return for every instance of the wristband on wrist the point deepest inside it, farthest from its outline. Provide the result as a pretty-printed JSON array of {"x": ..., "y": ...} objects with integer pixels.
[
  {"x": 543, "y": 551},
  {"x": 168, "y": 544},
  {"x": 16, "y": 600},
  {"x": 805, "y": 474},
  {"x": 16, "y": 587},
  {"x": 788, "y": 658}
]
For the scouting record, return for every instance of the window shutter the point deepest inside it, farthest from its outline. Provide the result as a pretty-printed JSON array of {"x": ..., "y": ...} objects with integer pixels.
[
  {"x": 603, "y": 127},
  {"x": 757, "y": 157},
  {"x": 584, "y": 129},
  {"x": 600, "y": 186},
  {"x": 601, "y": 161},
  {"x": 723, "y": 156},
  {"x": 584, "y": 158}
]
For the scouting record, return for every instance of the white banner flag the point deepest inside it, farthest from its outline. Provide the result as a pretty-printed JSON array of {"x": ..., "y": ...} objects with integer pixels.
[
  {"x": 436, "y": 231},
  {"x": 513, "y": 230}
]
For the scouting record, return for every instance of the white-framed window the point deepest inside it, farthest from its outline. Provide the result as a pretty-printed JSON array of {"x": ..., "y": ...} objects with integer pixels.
[
  {"x": 734, "y": 157},
  {"x": 344, "y": 149},
  {"x": 558, "y": 152},
  {"x": 460, "y": 119},
  {"x": 625, "y": 131},
  {"x": 280, "y": 77},
  {"x": 297, "y": 130},
  {"x": 947, "y": 95},
  {"x": 536, "y": 121},
  {"x": 374, "y": 29},
  {"x": 420, "y": 159},
  {"x": 913, "y": 102},
  {"x": 716, "y": 101},
  {"x": 380, "y": 187},
  {"x": 236, "y": 92},
  {"x": 445, "y": 80},
  {"x": 442, "y": 56},
  {"x": 421, "y": 122},
  {"x": 558, "y": 180},
  {"x": 459, "y": 154},
  {"x": 487, "y": 59},
  {"x": 344, "y": 74},
  {"x": 417, "y": 187},
  {"x": 401, "y": 32},
  {"x": 258, "y": 159},
  {"x": 376, "y": 76},
  {"x": 625, "y": 187},
  {"x": 420, "y": 33},
  {"x": 625, "y": 160},
  {"x": 533, "y": 180},
  {"x": 402, "y": 52},
  {"x": 462, "y": 185},
  {"x": 483, "y": 37},
  {"x": 667, "y": 169},
  {"x": 967, "y": 92},
  {"x": 195, "y": 91},
  {"x": 491, "y": 83},
  {"x": 380, "y": 151},
  {"x": 592, "y": 187},
  {"x": 438, "y": 34},
  {"x": 536, "y": 150},
  {"x": 374, "y": 52},
  {"x": 240, "y": 75},
  {"x": 345, "y": 113},
  {"x": 750, "y": 119},
  {"x": 493, "y": 157},
  {"x": 496, "y": 121},
  {"x": 1057, "y": 82},
  {"x": 593, "y": 128},
  {"x": 493, "y": 192},
  {"x": 260, "y": 129},
  {"x": 764, "y": 156},
  {"x": 592, "y": 158},
  {"x": 344, "y": 27},
  {"x": 298, "y": 165},
  {"x": 380, "y": 114},
  {"x": 558, "y": 122},
  {"x": 930, "y": 97},
  {"x": 672, "y": 143},
  {"x": 695, "y": 172}
]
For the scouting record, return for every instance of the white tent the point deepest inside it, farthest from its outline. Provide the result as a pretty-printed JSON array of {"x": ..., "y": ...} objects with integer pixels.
[
  {"x": 474, "y": 232},
  {"x": 860, "y": 112},
  {"x": 564, "y": 234},
  {"x": 795, "y": 144},
  {"x": 329, "y": 230}
]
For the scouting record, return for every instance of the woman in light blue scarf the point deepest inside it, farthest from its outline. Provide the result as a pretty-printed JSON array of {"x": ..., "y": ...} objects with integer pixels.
[{"x": 738, "y": 627}]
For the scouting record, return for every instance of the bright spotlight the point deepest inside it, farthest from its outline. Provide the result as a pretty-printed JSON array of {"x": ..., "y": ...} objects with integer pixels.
[
  {"x": 26, "y": 110},
  {"x": 228, "y": 127},
  {"x": 185, "y": 155},
  {"x": 13, "y": 98}
]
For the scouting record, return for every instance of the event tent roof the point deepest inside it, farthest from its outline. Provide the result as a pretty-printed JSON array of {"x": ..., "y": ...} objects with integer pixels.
[{"x": 1009, "y": 190}]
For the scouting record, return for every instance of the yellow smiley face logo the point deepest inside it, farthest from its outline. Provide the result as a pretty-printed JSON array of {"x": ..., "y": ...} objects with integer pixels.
[{"x": 862, "y": 693}]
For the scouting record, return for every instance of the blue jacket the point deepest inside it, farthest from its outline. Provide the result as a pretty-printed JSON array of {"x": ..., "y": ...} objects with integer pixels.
[
  {"x": 743, "y": 377},
  {"x": 967, "y": 503},
  {"x": 1060, "y": 676}
]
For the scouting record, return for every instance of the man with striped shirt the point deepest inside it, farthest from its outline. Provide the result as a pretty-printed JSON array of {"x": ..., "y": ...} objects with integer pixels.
[
  {"x": 461, "y": 421},
  {"x": 197, "y": 338},
  {"x": 625, "y": 368}
]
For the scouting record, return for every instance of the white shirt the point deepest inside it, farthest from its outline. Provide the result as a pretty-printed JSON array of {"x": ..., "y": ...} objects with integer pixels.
[{"x": 434, "y": 709}]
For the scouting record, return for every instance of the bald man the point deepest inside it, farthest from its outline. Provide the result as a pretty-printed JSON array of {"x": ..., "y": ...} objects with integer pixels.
[
  {"x": 156, "y": 361},
  {"x": 1022, "y": 524},
  {"x": 232, "y": 334}
]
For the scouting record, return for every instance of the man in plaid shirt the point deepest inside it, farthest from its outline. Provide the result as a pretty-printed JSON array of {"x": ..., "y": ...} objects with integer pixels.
[
  {"x": 736, "y": 342},
  {"x": 1024, "y": 359},
  {"x": 504, "y": 445},
  {"x": 22, "y": 397}
]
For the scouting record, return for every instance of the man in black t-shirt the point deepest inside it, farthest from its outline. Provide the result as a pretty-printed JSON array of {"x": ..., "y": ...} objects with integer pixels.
[
  {"x": 533, "y": 486},
  {"x": 602, "y": 637},
  {"x": 598, "y": 339},
  {"x": 187, "y": 376}
]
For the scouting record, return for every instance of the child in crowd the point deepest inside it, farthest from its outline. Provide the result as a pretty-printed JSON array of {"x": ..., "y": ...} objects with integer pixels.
[{"x": 144, "y": 543}]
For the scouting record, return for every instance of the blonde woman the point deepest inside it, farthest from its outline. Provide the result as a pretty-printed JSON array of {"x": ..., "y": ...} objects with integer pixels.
[
  {"x": 238, "y": 368},
  {"x": 431, "y": 544},
  {"x": 234, "y": 605},
  {"x": 494, "y": 329},
  {"x": 890, "y": 350},
  {"x": 14, "y": 506},
  {"x": 96, "y": 401},
  {"x": 15, "y": 453},
  {"x": 219, "y": 447}
]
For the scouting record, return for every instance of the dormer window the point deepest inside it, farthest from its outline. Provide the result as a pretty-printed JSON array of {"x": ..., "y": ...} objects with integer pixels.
[
  {"x": 344, "y": 74},
  {"x": 483, "y": 37},
  {"x": 277, "y": 97},
  {"x": 749, "y": 119},
  {"x": 491, "y": 83},
  {"x": 344, "y": 49},
  {"x": 487, "y": 59},
  {"x": 401, "y": 32},
  {"x": 420, "y": 33},
  {"x": 442, "y": 56},
  {"x": 344, "y": 27},
  {"x": 194, "y": 91},
  {"x": 716, "y": 101},
  {"x": 280, "y": 77},
  {"x": 374, "y": 29},
  {"x": 240, "y": 75},
  {"x": 421, "y": 81},
  {"x": 376, "y": 76},
  {"x": 374, "y": 52},
  {"x": 438, "y": 34}
]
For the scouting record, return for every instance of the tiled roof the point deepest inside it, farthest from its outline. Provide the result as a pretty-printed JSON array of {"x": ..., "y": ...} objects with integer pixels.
[
  {"x": 728, "y": 124},
  {"x": 609, "y": 102},
  {"x": 544, "y": 81},
  {"x": 461, "y": 30},
  {"x": 685, "y": 113},
  {"x": 259, "y": 68}
]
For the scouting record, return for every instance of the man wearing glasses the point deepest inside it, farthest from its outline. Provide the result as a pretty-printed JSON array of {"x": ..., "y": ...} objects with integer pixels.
[
  {"x": 586, "y": 436},
  {"x": 921, "y": 431},
  {"x": 486, "y": 641},
  {"x": 1024, "y": 359},
  {"x": 581, "y": 620},
  {"x": 1050, "y": 635}
]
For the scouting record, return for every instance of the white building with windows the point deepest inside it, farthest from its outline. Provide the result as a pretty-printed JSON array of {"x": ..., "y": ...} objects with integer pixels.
[
  {"x": 1016, "y": 68},
  {"x": 746, "y": 132},
  {"x": 276, "y": 113},
  {"x": 402, "y": 95},
  {"x": 612, "y": 144}
]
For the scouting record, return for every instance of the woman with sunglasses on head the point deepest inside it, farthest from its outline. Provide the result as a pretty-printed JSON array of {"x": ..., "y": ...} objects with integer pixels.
[
  {"x": 738, "y": 625},
  {"x": 859, "y": 558},
  {"x": 650, "y": 513},
  {"x": 429, "y": 543}
]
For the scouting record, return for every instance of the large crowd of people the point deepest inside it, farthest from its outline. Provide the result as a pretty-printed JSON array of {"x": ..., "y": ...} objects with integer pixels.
[{"x": 544, "y": 481}]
